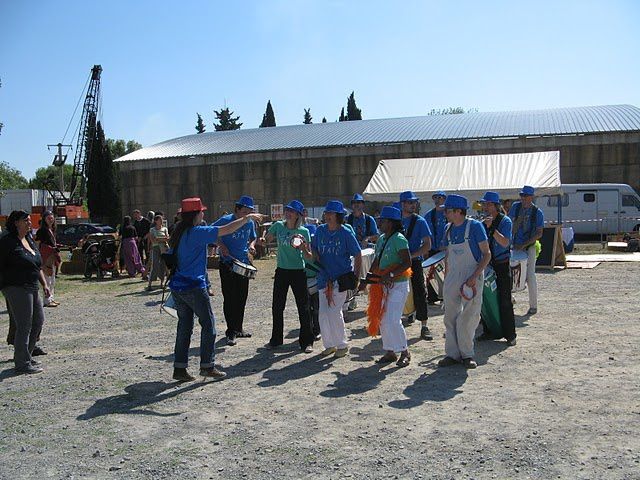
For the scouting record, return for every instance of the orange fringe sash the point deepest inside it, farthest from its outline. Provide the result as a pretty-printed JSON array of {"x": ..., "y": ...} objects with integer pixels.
[{"x": 377, "y": 301}]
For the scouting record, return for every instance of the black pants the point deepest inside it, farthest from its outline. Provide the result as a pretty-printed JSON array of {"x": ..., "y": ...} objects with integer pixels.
[
  {"x": 503, "y": 282},
  {"x": 314, "y": 309},
  {"x": 297, "y": 280},
  {"x": 419, "y": 292},
  {"x": 235, "y": 289}
]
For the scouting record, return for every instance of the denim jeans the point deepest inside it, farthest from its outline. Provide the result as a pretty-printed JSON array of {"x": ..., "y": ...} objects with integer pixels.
[{"x": 190, "y": 303}]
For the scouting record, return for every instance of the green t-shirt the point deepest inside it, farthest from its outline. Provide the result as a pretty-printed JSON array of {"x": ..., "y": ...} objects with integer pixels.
[
  {"x": 288, "y": 257},
  {"x": 391, "y": 255}
]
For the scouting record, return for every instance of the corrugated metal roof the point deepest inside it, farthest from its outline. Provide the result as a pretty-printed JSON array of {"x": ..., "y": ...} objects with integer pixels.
[{"x": 561, "y": 121}]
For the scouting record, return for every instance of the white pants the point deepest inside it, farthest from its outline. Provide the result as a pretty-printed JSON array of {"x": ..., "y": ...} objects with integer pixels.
[
  {"x": 461, "y": 318},
  {"x": 394, "y": 337},
  {"x": 331, "y": 319},
  {"x": 50, "y": 280},
  {"x": 532, "y": 283}
]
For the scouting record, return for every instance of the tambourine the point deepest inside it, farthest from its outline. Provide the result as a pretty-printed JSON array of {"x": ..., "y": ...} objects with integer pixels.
[
  {"x": 468, "y": 293},
  {"x": 297, "y": 241}
]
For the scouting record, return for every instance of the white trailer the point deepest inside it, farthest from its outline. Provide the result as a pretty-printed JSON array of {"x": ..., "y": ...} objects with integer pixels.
[
  {"x": 24, "y": 199},
  {"x": 594, "y": 208}
]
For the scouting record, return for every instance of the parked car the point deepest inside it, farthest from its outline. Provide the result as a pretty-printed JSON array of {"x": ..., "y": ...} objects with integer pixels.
[{"x": 70, "y": 234}]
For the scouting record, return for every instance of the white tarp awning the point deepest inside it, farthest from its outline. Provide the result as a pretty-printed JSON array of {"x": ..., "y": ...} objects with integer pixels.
[{"x": 470, "y": 176}]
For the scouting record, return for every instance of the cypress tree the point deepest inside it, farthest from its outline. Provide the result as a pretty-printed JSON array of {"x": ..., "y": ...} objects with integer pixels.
[
  {"x": 269, "y": 118},
  {"x": 353, "y": 112},
  {"x": 200, "y": 126},
  {"x": 102, "y": 194},
  {"x": 307, "y": 116},
  {"x": 342, "y": 117},
  {"x": 226, "y": 120},
  {"x": 324, "y": 119}
]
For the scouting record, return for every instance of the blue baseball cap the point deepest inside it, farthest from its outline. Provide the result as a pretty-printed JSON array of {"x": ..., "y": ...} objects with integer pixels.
[
  {"x": 397, "y": 205},
  {"x": 408, "y": 196},
  {"x": 390, "y": 213},
  {"x": 492, "y": 197},
  {"x": 246, "y": 201},
  {"x": 334, "y": 206},
  {"x": 296, "y": 206},
  {"x": 357, "y": 198},
  {"x": 527, "y": 191},
  {"x": 456, "y": 201},
  {"x": 439, "y": 193}
]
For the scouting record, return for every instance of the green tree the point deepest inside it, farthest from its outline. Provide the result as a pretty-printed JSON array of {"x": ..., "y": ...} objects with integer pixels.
[
  {"x": 46, "y": 175},
  {"x": 200, "y": 126},
  {"x": 451, "y": 111},
  {"x": 353, "y": 112},
  {"x": 269, "y": 118},
  {"x": 102, "y": 189},
  {"x": 226, "y": 120},
  {"x": 11, "y": 178},
  {"x": 307, "y": 116},
  {"x": 119, "y": 148},
  {"x": 324, "y": 119},
  {"x": 342, "y": 118}
]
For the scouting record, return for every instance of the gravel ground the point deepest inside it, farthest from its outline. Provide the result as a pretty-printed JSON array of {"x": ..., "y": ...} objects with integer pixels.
[{"x": 563, "y": 403}]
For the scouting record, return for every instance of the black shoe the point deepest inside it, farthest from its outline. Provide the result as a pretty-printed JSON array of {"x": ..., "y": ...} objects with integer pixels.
[
  {"x": 447, "y": 362},
  {"x": 512, "y": 342},
  {"x": 231, "y": 340},
  {"x": 273, "y": 346},
  {"x": 317, "y": 337},
  {"x": 469, "y": 363},
  {"x": 410, "y": 319},
  {"x": 425, "y": 333},
  {"x": 243, "y": 334},
  {"x": 37, "y": 351},
  {"x": 182, "y": 375},
  {"x": 213, "y": 373},
  {"x": 29, "y": 369},
  {"x": 35, "y": 363}
]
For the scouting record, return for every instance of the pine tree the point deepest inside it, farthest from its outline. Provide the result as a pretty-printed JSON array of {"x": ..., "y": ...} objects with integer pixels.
[
  {"x": 200, "y": 126},
  {"x": 353, "y": 112},
  {"x": 307, "y": 116},
  {"x": 342, "y": 117},
  {"x": 269, "y": 118},
  {"x": 324, "y": 119},
  {"x": 226, "y": 120},
  {"x": 102, "y": 191}
]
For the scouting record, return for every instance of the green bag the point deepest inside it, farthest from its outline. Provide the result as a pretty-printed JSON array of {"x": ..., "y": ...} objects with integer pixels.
[{"x": 490, "y": 311}]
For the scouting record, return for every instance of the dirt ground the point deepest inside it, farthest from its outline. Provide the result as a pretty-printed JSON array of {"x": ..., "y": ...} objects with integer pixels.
[{"x": 563, "y": 403}]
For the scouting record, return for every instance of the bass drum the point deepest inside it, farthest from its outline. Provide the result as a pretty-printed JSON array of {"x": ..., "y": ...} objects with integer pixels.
[{"x": 433, "y": 268}]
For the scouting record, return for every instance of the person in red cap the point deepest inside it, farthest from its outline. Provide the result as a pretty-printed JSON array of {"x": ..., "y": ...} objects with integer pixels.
[{"x": 188, "y": 285}]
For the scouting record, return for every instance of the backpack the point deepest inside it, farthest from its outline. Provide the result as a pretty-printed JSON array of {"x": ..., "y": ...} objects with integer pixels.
[{"x": 518, "y": 220}]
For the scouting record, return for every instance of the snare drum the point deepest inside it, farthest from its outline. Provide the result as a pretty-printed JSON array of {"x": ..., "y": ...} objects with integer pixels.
[
  {"x": 244, "y": 269},
  {"x": 169, "y": 306},
  {"x": 434, "y": 272},
  {"x": 518, "y": 270}
]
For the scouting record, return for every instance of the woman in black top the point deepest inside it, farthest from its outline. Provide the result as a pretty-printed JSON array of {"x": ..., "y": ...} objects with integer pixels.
[
  {"x": 20, "y": 272},
  {"x": 129, "y": 244},
  {"x": 46, "y": 241}
]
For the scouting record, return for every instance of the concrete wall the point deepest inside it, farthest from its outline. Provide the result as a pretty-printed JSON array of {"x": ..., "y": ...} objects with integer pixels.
[{"x": 316, "y": 175}]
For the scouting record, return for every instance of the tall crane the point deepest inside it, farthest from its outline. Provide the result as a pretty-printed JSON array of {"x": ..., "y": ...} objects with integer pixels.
[{"x": 84, "y": 146}]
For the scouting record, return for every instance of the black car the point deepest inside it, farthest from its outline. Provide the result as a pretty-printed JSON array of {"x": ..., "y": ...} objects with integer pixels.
[{"x": 70, "y": 234}]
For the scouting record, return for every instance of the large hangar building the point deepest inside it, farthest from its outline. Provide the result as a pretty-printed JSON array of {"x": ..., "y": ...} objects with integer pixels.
[{"x": 318, "y": 162}]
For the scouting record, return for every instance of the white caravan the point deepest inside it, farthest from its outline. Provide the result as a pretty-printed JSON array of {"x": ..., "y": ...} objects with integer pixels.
[{"x": 594, "y": 208}]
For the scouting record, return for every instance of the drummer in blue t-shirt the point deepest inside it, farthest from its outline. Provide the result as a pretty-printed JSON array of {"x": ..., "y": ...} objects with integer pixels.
[
  {"x": 528, "y": 223},
  {"x": 235, "y": 287},
  {"x": 437, "y": 222},
  {"x": 498, "y": 227},
  {"x": 363, "y": 225},
  {"x": 418, "y": 234}
]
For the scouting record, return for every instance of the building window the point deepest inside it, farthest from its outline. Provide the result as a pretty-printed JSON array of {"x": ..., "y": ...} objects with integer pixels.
[
  {"x": 553, "y": 200},
  {"x": 589, "y": 197}
]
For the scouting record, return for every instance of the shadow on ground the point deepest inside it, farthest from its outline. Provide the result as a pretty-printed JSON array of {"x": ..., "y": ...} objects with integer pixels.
[{"x": 136, "y": 397}]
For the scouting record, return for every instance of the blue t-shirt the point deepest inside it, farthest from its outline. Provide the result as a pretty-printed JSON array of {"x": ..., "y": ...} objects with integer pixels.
[
  {"x": 420, "y": 230},
  {"x": 498, "y": 252},
  {"x": 360, "y": 226},
  {"x": 477, "y": 234},
  {"x": 238, "y": 241},
  {"x": 525, "y": 232},
  {"x": 437, "y": 230},
  {"x": 334, "y": 249},
  {"x": 312, "y": 227},
  {"x": 192, "y": 258}
]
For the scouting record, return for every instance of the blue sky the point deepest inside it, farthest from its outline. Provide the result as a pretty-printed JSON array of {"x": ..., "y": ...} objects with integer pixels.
[{"x": 164, "y": 61}]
